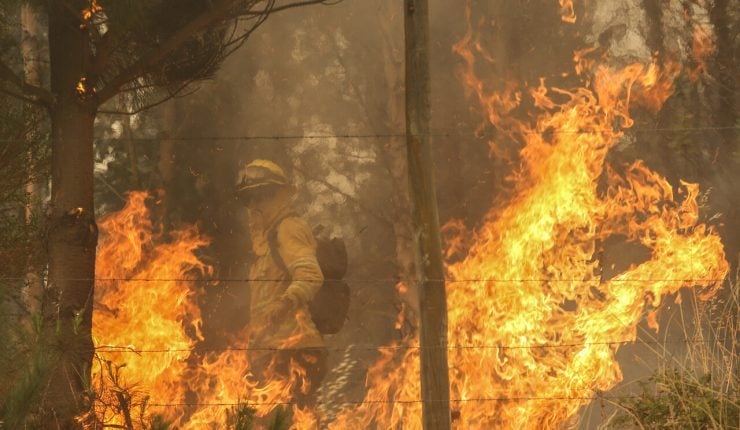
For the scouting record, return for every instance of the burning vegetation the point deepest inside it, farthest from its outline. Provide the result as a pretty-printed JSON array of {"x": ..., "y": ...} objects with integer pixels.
[
  {"x": 534, "y": 323},
  {"x": 535, "y": 316}
]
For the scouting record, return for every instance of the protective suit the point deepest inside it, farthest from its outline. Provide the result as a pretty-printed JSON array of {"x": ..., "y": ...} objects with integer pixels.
[
  {"x": 283, "y": 334},
  {"x": 270, "y": 283}
]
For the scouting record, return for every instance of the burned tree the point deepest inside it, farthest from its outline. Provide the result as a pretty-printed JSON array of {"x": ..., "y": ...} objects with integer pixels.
[{"x": 140, "y": 53}]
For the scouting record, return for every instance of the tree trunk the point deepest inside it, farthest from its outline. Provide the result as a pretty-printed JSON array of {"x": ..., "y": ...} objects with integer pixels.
[
  {"x": 657, "y": 142},
  {"x": 725, "y": 70},
  {"x": 394, "y": 159},
  {"x": 166, "y": 163},
  {"x": 72, "y": 241},
  {"x": 72, "y": 236},
  {"x": 725, "y": 118},
  {"x": 131, "y": 155},
  {"x": 654, "y": 37},
  {"x": 31, "y": 69},
  {"x": 429, "y": 267}
]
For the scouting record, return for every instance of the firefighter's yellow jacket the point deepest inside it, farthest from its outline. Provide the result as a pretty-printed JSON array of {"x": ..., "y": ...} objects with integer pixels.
[{"x": 270, "y": 283}]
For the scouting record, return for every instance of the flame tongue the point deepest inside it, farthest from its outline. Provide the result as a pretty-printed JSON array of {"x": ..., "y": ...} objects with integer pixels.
[
  {"x": 533, "y": 324},
  {"x": 143, "y": 303},
  {"x": 536, "y": 325},
  {"x": 540, "y": 283},
  {"x": 146, "y": 323}
]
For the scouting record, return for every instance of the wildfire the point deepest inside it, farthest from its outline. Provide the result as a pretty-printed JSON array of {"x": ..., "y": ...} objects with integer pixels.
[
  {"x": 702, "y": 48},
  {"x": 567, "y": 11},
  {"x": 91, "y": 10},
  {"x": 146, "y": 324},
  {"x": 153, "y": 311},
  {"x": 534, "y": 325}
]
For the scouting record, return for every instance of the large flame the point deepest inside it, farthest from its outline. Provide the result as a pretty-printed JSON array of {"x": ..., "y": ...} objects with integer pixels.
[
  {"x": 143, "y": 303},
  {"x": 146, "y": 325},
  {"x": 534, "y": 325}
]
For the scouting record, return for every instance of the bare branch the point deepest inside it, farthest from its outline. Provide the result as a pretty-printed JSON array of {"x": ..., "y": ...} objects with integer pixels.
[
  {"x": 304, "y": 3},
  {"x": 297, "y": 4},
  {"x": 218, "y": 12},
  {"x": 29, "y": 93},
  {"x": 172, "y": 94}
]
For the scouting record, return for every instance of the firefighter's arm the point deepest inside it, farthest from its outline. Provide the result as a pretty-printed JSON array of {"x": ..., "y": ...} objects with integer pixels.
[{"x": 297, "y": 248}]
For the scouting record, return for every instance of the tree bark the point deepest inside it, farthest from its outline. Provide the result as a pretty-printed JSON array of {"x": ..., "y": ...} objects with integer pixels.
[
  {"x": 166, "y": 165},
  {"x": 131, "y": 154},
  {"x": 31, "y": 69},
  {"x": 394, "y": 159},
  {"x": 72, "y": 235},
  {"x": 726, "y": 73},
  {"x": 429, "y": 266},
  {"x": 725, "y": 118},
  {"x": 654, "y": 37}
]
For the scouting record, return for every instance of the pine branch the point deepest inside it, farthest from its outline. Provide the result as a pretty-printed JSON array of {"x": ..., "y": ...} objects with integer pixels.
[{"x": 222, "y": 10}]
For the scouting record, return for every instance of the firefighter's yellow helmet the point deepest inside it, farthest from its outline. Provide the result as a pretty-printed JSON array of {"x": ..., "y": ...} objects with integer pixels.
[{"x": 260, "y": 173}]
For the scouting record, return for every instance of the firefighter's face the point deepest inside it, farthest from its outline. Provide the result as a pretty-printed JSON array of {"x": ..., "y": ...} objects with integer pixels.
[{"x": 257, "y": 197}]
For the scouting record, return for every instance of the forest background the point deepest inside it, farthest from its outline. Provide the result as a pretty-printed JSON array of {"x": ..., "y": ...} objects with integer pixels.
[{"x": 321, "y": 91}]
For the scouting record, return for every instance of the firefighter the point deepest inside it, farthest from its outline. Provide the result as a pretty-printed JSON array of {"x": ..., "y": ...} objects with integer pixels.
[{"x": 283, "y": 332}]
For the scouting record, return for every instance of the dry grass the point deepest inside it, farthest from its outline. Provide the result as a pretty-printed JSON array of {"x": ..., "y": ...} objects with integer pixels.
[{"x": 697, "y": 389}]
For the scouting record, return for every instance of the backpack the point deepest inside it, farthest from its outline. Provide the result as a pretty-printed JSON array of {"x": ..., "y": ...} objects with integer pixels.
[{"x": 330, "y": 305}]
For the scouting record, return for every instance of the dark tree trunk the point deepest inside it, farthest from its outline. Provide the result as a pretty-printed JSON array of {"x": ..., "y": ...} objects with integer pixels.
[
  {"x": 725, "y": 118},
  {"x": 726, "y": 73},
  {"x": 166, "y": 164},
  {"x": 72, "y": 234},
  {"x": 654, "y": 13},
  {"x": 394, "y": 160},
  {"x": 435, "y": 390},
  {"x": 30, "y": 51}
]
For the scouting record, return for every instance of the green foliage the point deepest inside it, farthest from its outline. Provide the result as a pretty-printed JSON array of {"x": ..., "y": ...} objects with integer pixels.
[
  {"x": 242, "y": 417},
  {"x": 700, "y": 391},
  {"x": 25, "y": 381},
  {"x": 680, "y": 400},
  {"x": 24, "y": 159}
]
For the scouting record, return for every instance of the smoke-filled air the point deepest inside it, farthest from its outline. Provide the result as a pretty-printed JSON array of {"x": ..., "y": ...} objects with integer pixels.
[{"x": 248, "y": 214}]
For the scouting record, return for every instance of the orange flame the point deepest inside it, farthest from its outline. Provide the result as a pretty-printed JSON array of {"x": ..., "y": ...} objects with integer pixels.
[
  {"x": 567, "y": 11},
  {"x": 146, "y": 323},
  {"x": 90, "y": 11},
  {"x": 534, "y": 326},
  {"x": 702, "y": 48}
]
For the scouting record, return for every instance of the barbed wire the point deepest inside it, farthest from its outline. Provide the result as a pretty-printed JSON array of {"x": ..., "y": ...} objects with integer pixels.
[
  {"x": 371, "y": 135},
  {"x": 127, "y": 349},
  {"x": 411, "y": 401},
  {"x": 368, "y": 280}
]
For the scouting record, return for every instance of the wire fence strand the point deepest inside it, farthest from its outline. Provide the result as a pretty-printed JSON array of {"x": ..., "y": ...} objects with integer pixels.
[
  {"x": 374, "y": 280},
  {"x": 412, "y": 401},
  {"x": 128, "y": 349},
  {"x": 372, "y": 136}
]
